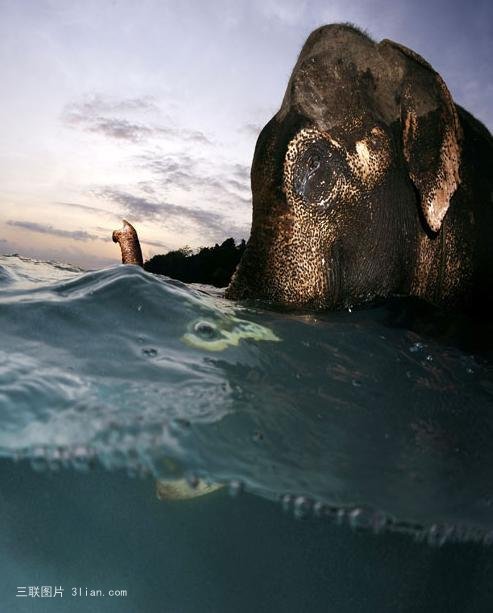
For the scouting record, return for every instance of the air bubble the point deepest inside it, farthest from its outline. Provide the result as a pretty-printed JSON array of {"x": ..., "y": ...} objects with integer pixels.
[
  {"x": 287, "y": 502},
  {"x": 150, "y": 352},
  {"x": 302, "y": 507},
  {"x": 438, "y": 535},
  {"x": 192, "y": 481},
  {"x": 80, "y": 458},
  {"x": 341, "y": 516},
  {"x": 54, "y": 459},
  {"x": 380, "y": 522},
  {"x": 180, "y": 424},
  {"x": 361, "y": 519},
  {"x": 235, "y": 488},
  {"x": 205, "y": 329},
  {"x": 420, "y": 536},
  {"x": 406, "y": 527},
  {"x": 18, "y": 455},
  {"x": 325, "y": 511},
  {"x": 38, "y": 461}
]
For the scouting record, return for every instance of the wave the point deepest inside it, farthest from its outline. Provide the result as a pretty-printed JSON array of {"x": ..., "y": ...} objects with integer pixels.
[{"x": 341, "y": 414}]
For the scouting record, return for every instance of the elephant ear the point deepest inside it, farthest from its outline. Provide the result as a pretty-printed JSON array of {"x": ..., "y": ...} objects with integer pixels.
[{"x": 431, "y": 133}]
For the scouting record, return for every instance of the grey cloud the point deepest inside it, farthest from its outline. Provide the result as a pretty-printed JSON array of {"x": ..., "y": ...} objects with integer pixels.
[
  {"x": 78, "y": 235},
  {"x": 86, "y": 208},
  {"x": 119, "y": 128},
  {"x": 178, "y": 170},
  {"x": 135, "y": 207},
  {"x": 111, "y": 127},
  {"x": 100, "y": 116},
  {"x": 146, "y": 187},
  {"x": 194, "y": 136},
  {"x": 242, "y": 172},
  {"x": 287, "y": 12},
  {"x": 239, "y": 185},
  {"x": 159, "y": 244},
  {"x": 97, "y": 105},
  {"x": 251, "y": 129},
  {"x": 226, "y": 183},
  {"x": 212, "y": 225}
]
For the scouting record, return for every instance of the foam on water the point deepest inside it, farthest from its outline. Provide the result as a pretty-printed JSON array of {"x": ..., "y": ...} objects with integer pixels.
[{"x": 338, "y": 415}]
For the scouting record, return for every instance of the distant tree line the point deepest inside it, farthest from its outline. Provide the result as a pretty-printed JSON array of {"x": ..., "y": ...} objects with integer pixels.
[{"x": 210, "y": 265}]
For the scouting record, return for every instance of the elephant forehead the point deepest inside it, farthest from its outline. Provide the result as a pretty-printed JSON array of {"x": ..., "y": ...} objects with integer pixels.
[
  {"x": 327, "y": 100},
  {"x": 331, "y": 84}
]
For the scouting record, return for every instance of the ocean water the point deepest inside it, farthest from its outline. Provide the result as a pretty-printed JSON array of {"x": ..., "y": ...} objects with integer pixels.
[{"x": 348, "y": 454}]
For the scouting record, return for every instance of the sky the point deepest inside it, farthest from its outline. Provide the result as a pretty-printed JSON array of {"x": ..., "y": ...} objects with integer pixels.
[{"x": 150, "y": 110}]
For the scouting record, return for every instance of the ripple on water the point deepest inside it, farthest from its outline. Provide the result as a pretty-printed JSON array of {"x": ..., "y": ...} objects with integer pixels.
[{"x": 340, "y": 417}]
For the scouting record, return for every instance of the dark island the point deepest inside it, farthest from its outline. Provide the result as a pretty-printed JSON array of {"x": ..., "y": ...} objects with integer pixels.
[{"x": 210, "y": 265}]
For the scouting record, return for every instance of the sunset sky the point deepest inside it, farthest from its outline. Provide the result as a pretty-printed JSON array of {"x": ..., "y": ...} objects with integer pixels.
[{"x": 150, "y": 110}]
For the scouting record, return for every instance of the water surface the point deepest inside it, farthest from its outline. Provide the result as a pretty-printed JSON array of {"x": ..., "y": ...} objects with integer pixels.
[{"x": 353, "y": 417}]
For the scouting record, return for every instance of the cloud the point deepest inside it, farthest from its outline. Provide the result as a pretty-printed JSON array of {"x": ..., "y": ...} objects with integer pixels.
[
  {"x": 220, "y": 183},
  {"x": 86, "y": 208},
  {"x": 211, "y": 225},
  {"x": 107, "y": 126},
  {"x": 96, "y": 104},
  {"x": 287, "y": 12},
  {"x": 159, "y": 244},
  {"x": 222, "y": 187},
  {"x": 251, "y": 129},
  {"x": 142, "y": 208},
  {"x": 78, "y": 235},
  {"x": 110, "y": 118},
  {"x": 118, "y": 128}
]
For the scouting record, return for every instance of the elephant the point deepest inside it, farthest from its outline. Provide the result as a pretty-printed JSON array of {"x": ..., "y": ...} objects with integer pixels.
[{"x": 368, "y": 183}]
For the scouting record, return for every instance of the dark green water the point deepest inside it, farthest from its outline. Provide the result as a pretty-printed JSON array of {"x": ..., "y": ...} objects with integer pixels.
[
  {"x": 214, "y": 554},
  {"x": 354, "y": 449}
]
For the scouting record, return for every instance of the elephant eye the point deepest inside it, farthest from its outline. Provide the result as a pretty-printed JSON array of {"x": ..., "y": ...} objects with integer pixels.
[{"x": 313, "y": 164}]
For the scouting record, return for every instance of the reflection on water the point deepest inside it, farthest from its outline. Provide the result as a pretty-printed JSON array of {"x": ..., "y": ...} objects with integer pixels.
[{"x": 364, "y": 419}]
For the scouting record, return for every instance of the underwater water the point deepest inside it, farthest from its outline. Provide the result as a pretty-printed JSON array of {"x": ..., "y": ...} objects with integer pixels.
[{"x": 358, "y": 424}]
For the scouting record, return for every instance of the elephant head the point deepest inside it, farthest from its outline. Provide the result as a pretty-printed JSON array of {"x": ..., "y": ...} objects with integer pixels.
[{"x": 349, "y": 177}]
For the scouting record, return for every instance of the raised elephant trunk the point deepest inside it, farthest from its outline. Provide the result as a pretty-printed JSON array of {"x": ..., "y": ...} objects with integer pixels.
[{"x": 129, "y": 244}]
